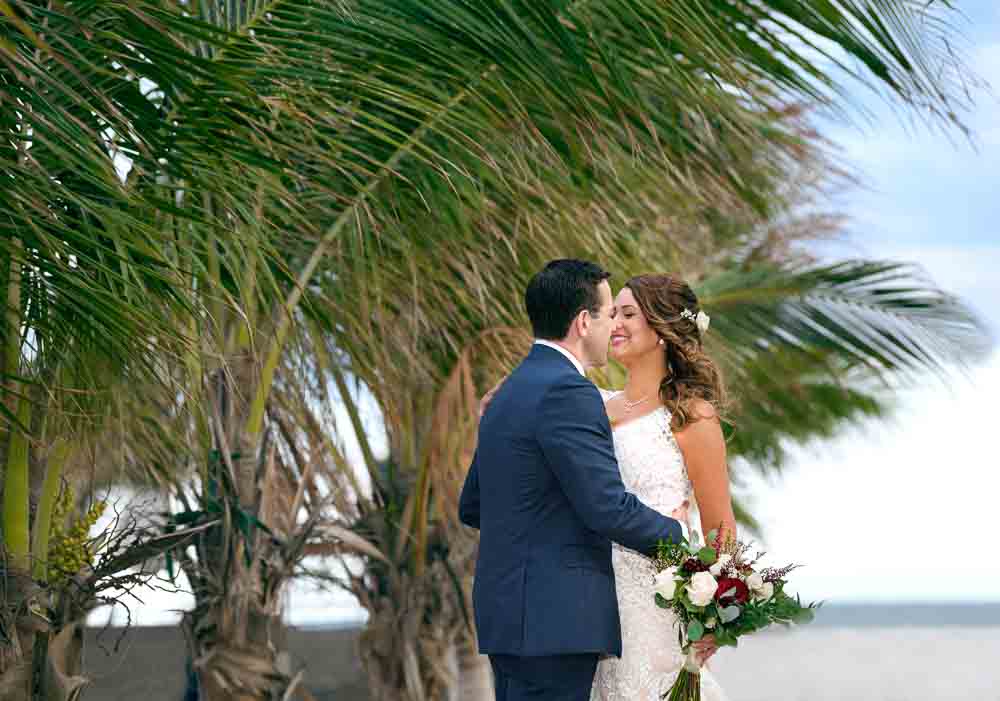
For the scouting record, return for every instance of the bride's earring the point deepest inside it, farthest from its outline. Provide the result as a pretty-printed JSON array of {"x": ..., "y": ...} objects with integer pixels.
[{"x": 661, "y": 341}]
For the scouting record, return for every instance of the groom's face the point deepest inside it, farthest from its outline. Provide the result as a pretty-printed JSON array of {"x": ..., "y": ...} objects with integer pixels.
[{"x": 595, "y": 343}]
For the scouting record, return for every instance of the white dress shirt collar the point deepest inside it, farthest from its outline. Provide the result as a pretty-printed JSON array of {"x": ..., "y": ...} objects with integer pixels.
[{"x": 576, "y": 363}]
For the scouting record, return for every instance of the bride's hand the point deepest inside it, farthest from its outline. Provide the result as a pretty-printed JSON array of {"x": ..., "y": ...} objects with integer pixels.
[
  {"x": 488, "y": 397},
  {"x": 704, "y": 649}
]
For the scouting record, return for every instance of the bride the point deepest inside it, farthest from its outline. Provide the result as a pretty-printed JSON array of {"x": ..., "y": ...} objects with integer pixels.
[{"x": 672, "y": 456}]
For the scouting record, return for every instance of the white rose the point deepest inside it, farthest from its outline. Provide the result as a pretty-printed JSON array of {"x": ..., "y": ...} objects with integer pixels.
[
  {"x": 702, "y": 588},
  {"x": 720, "y": 564},
  {"x": 765, "y": 592},
  {"x": 755, "y": 582},
  {"x": 702, "y": 321},
  {"x": 665, "y": 584}
]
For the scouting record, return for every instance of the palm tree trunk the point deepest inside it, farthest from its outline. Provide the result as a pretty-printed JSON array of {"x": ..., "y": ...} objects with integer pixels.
[
  {"x": 235, "y": 634},
  {"x": 410, "y": 647},
  {"x": 19, "y": 635},
  {"x": 245, "y": 662}
]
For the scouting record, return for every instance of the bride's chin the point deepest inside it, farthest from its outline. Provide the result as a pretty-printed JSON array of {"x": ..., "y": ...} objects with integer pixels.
[{"x": 617, "y": 355}]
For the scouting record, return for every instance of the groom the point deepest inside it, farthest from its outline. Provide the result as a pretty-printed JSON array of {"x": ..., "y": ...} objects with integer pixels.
[{"x": 545, "y": 492}]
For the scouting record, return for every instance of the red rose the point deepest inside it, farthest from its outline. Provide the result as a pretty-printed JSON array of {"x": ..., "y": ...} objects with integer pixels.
[
  {"x": 738, "y": 592},
  {"x": 693, "y": 565}
]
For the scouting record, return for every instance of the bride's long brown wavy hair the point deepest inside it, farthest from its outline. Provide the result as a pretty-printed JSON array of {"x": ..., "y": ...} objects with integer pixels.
[{"x": 691, "y": 373}]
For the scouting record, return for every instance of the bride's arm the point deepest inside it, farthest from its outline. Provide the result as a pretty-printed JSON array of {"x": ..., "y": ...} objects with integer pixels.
[{"x": 704, "y": 449}]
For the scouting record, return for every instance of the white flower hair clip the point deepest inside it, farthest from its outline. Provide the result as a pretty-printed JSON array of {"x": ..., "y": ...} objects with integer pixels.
[{"x": 701, "y": 319}]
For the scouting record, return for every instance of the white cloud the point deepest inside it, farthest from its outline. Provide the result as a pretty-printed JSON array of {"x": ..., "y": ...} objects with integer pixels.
[{"x": 898, "y": 511}]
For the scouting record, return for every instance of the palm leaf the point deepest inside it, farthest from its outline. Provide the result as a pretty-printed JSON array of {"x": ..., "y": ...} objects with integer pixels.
[
  {"x": 883, "y": 317},
  {"x": 809, "y": 348}
]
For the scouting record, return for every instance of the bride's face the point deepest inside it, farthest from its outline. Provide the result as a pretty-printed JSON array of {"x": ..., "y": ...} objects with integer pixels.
[{"x": 631, "y": 338}]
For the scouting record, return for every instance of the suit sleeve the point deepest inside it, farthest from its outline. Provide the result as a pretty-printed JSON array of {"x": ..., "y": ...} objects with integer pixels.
[
  {"x": 575, "y": 437},
  {"x": 468, "y": 503}
]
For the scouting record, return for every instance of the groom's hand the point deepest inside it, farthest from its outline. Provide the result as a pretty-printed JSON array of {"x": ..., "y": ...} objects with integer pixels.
[
  {"x": 681, "y": 512},
  {"x": 488, "y": 397}
]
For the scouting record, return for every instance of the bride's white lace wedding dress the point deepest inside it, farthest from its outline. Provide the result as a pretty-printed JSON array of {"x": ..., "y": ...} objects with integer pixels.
[{"x": 652, "y": 468}]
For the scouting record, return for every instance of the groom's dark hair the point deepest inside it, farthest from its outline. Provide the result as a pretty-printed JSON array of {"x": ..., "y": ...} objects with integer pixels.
[{"x": 558, "y": 292}]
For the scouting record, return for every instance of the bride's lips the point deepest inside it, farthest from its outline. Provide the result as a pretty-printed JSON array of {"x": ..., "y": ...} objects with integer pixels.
[{"x": 618, "y": 340}]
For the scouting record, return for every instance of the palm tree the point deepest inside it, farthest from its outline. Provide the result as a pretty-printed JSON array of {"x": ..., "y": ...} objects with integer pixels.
[
  {"x": 428, "y": 324},
  {"x": 266, "y": 155},
  {"x": 93, "y": 285}
]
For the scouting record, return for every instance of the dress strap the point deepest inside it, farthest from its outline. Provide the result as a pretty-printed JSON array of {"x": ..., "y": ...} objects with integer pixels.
[{"x": 607, "y": 394}]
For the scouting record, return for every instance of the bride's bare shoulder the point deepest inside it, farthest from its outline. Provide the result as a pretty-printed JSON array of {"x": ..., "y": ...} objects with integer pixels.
[{"x": 700, "y": 410}]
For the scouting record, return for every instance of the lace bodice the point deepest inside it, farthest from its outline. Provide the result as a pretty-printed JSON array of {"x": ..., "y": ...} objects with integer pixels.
[{"x": 652, "y": 468}]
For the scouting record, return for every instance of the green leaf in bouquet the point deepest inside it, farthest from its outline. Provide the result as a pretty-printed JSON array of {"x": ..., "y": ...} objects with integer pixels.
[
  {"x": 708, "y": 555},
  {"x": 803, "y": 616},
  {"x": 729, "y": 614},
  {"x": 696, "y": 631},
  {"x": 712, "y": 535},
  {"x": 724, "y": 638},
  {"x": 661, "y": 601}
]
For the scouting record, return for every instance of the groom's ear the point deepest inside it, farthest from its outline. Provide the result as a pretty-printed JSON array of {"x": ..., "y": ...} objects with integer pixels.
[{"x": 582, "y": 323}]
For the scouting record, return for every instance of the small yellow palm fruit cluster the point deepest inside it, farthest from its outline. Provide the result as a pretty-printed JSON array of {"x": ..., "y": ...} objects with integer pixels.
[{"x": 69, "y": 551}]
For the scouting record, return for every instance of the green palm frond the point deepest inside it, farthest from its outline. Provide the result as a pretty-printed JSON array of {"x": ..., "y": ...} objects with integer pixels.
[
  {"x": 784, "y": 397},
  {"x": 884, "y": 317},
  {"x": 83, "y": 91},
  {"x": 380, "y": 93},
  {"x": 808, "y": 348}
]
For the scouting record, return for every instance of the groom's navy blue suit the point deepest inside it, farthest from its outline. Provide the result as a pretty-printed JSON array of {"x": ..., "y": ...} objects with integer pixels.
[{"x": 545, "y": 492}]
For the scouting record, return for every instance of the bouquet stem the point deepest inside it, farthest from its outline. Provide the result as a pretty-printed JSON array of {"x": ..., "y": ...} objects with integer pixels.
[{"x": 686, "y": 688}]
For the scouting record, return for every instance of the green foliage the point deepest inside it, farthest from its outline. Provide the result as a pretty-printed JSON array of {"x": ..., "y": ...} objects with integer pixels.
[
  {"x": 695, "y": 631},
  {"x": 708, "y": 555}
]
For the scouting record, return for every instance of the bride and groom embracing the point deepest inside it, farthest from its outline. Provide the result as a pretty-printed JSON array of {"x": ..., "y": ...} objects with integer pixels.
[{"x": 570, "y": 488}]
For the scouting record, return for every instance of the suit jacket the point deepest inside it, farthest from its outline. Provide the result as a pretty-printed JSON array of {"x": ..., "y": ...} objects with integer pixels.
[{"x": 546, "y": 494}]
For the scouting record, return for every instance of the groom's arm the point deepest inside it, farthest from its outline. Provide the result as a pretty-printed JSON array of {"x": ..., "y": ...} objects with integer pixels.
[
  {"x": 468, "y": 503},
  {"x": 575, "y": 436}
]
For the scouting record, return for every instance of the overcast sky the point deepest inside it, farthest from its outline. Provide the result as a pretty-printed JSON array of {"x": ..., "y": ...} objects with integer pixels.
[{"x": 875, "y": 513}]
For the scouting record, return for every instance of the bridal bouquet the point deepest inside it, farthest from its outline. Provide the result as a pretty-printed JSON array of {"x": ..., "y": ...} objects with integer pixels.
[{"x": 717, "y": 590}]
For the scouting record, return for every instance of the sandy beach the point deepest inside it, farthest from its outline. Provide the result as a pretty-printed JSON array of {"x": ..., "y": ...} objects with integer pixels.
[
  {"x": 927, "y": 654},
  {"x": 871, "y": 664}
]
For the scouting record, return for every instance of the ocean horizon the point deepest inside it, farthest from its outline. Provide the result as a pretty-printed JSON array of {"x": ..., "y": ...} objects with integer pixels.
[{"x": 868, "y": 614}]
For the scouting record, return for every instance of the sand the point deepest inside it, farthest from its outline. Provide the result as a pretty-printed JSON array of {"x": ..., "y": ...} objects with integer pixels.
[{"x": 944, "y": 663}]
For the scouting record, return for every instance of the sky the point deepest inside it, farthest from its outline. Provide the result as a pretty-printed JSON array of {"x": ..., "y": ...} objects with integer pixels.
[
  {"x": 896, "y": 511},
  {"x": 903, "y": 510}
]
